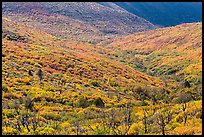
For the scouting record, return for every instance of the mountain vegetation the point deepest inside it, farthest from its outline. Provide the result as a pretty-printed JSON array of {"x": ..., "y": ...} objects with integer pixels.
[
  {"x": 142, "y": 80},
  {"x": 81, "y": 21},
  {"x": 173, "y": 53}
]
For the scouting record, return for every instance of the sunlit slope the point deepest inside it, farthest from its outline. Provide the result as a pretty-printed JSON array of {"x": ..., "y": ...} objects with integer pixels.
[
  {"x": 173, "y": 52},
  {"x": 84, "y": 70},
  {"x": 80, "y": 88},
  {"x": 81, "y": 21}
]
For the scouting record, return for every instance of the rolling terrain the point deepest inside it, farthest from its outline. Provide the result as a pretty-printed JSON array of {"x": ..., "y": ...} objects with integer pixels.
[
  {"x": 85, "y": 73},
  {"x": 96, "y": 69},
  {"x": 81, "y": 21},
  {"x": 169, "y": 53},
  {"x": 64, "y": 58}
]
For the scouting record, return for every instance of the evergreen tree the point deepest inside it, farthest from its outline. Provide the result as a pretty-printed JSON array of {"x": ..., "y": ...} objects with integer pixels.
[
  {"x": 40, "y": 74},
  {"x": 30, "y": 73}
]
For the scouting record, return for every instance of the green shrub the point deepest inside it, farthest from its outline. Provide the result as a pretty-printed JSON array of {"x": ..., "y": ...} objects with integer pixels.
[
  {"x": 52, "y": 116},
  {"x": 144, "y": 103},
  {"x": 95, "y": 83},
  {"x": 82, "y": 102},
  {"x": 8, "y": 112},
  {"x": 4, "y": 88},
  {"x": 98, "y": 102},
  {"x": 113, "y": 84},
  {"x": 179, "y": 119},
  {"x": 69, "y": 103},
  {"x": 174, "y": 125}
]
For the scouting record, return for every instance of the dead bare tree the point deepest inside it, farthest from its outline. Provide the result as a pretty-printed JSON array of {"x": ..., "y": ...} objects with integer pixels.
[
  {"x": 30, "y": 118},
  {"x": 163, "y": 118},
  {"x": 114, "y": 119},
  {"x": 145, "y": 120},
  {"x": 127, "y": 119},
  {"x": 184, "y": 98}
]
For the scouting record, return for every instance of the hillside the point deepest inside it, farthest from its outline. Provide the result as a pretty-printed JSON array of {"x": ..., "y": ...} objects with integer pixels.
[
  {"x": 96, "y": 69},
  {"x": 165, "y": 13},
  {"x": 170, "y": 53},
  {"x": 82, "y": 21},
  {"x": 77, "y": 86},
  {"x": 73, "y": 59},
  {"x": 69, "y": 71}
]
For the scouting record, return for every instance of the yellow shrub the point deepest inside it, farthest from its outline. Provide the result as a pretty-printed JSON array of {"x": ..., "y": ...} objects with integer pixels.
[
  {"x": 133, "y": 129},
  {"x": 184, "y": 130},
  {"x": 65, "y": 124},
  {"x": 47, "y": 131},
  {"x": 9, "y": 131}
]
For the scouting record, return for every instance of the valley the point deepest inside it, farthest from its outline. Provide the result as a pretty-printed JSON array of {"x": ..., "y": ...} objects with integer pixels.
[{"x": 98, "y": 70}]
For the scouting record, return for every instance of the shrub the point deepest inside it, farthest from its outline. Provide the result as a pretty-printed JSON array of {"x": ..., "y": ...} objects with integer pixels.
[
  {"x": 47, "y": 131},
  {"x": 179, "y": 118},
  {"x": 65, "y": 124},
  {"x": 51, "y": 116},
  {"x": 184, "y": 130},
  {"x": 98, "y": 102},
  {"x": 8, "y": 112},
  {"x": 174, "y": 125},
  {"x": 30, "y": 73},
  {"x": 183, "y": 98},
  {"x": 113, "y": 84},
  {"x": 82, "y": 102},
  {"x": 10, "y": 96},
  {"x": 40, "y": 74},
  {"x": 10, "y": 85},
  {"x": 69, "y": 103},
  {"x": 4, "y": 88},
  {"x": 9, "y": 131},
  {"x": 49, "y": 99},
  {"x": 199, "y": 115},
  {"x": 38, "y": 99},
  {"x": 144, "y": 103},
  {"x": 134, "y": 129},
  {"x": 62, "y": 100},
  {"x": 95, "y": 83},
  {"x": 186, "y": 84}
]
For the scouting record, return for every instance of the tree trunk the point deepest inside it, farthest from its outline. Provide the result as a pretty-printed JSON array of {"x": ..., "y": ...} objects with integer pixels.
[
  {"x": 145, "y": 128},
  {"x": 163, "y": 130},
  {"x": 185, "y": 119}
]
